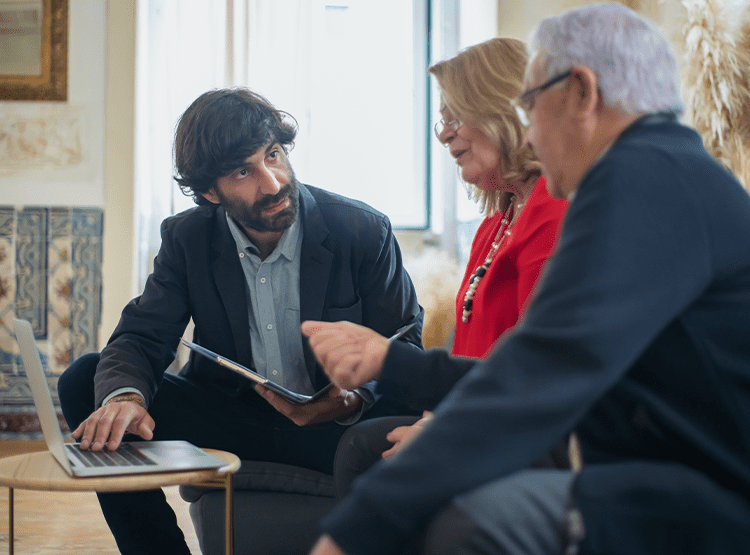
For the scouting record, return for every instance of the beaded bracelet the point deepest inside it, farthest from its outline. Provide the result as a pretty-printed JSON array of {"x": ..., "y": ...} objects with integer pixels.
[{"x": 132, "y": 397}]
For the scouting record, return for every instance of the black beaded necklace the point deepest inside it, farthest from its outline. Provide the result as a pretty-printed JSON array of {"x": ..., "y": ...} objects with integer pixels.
[{"x": 503, "y": 231}]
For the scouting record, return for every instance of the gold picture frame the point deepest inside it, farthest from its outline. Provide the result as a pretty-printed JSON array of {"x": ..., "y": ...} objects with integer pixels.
[{"x": 51, "y": 82}]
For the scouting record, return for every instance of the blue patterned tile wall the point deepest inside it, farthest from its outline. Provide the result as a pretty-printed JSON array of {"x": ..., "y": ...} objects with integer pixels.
[{"x": 50, "y": 274}]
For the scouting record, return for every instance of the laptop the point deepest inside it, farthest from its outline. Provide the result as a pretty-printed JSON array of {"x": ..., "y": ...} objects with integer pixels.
[{"x": 136, "y": 457}]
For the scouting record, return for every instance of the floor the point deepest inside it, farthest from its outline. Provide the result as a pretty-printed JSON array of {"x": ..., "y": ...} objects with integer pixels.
[{"x": 44, "y": 525}]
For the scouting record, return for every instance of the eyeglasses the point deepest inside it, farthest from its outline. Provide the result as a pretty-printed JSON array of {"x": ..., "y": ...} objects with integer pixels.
[
  {"x": 525, "y": 103},
  {"x": 440, "y": 126}
]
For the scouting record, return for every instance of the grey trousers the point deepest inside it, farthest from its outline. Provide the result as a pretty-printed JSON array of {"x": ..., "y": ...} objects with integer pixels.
[{"x": 526, "y": 513}]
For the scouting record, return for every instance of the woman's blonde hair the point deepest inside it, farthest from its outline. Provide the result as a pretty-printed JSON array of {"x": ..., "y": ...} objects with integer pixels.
[{"x": 478, "y": 86}]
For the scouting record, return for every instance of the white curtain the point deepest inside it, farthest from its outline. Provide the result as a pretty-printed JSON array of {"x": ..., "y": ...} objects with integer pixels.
[
  {"x": 180, "y": 53},
  {"x": 351, "y": 72},
  {"x": 271, "y": 51}
]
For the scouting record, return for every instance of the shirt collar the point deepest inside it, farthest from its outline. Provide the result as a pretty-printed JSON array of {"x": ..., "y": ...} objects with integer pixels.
[{"x": 287, "y": 246}]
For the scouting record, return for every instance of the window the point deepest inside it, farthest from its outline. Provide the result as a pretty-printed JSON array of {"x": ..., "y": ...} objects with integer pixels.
[{"x": 351, "y": 72}]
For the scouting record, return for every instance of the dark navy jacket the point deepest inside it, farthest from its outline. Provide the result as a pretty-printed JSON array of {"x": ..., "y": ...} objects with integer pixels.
[
  {"x": 638, "y": 339},
  {"x": 350, "y": 269}
]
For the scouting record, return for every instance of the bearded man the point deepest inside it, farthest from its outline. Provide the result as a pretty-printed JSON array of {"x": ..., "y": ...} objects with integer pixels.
[{"x": 258, "y": 255}]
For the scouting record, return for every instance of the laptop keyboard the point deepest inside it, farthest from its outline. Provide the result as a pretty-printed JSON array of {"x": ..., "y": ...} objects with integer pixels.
[{"x": 124, "y": 455}]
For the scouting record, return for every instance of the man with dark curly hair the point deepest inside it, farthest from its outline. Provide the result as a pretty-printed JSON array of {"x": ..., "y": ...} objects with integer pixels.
[{"x": 259, "y": 254}]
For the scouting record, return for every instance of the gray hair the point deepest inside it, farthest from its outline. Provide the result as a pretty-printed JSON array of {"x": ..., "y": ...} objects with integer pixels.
[{"x": 634, "y": 64}]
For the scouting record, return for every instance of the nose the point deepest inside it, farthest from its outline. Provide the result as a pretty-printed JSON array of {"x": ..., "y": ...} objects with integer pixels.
[
  {"x": 446, "y": 135},
  {"x": 269, "y": 181}
]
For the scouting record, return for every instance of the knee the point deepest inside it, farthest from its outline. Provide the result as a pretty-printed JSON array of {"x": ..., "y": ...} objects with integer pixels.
[
  {"x": 362, "y": 446},
  {"x": 75, "y": 389},
  {"x": 454, "y": 532},
  {"x": 77, "y": 375},
  {"x": 360, "y": 442},
  {"x": 354, "y": 456},
  {"x": 521, "y": 513}
]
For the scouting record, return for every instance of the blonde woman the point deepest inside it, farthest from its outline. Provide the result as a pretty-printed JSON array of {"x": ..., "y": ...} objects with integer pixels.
[{"x": 484, "y": 134}]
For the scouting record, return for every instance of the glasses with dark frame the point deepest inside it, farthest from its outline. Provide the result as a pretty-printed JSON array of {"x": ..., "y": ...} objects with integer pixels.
[{"x": 525, "y": 103}]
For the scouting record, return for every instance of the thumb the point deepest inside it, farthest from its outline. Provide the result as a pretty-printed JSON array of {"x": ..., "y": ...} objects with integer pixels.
[{"x": 146, "y": 429}]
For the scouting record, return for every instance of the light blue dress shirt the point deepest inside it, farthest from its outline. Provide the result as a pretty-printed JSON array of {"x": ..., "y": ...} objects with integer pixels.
[{"x": 273, "y": 312}]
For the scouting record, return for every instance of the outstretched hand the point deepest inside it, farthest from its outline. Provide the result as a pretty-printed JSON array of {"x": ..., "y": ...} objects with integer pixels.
[
  {"x": 108, "y": 424},
  {"x": 350, "y": 354}
]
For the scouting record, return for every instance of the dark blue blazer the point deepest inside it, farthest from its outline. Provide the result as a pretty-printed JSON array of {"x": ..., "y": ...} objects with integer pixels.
[
  {"x": 350, "y": 269},
  {"x": 638, "y": 339}
]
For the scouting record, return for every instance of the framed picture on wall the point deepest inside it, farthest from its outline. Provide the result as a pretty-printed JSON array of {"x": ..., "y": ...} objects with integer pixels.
[{"x": 33, "y": 50}]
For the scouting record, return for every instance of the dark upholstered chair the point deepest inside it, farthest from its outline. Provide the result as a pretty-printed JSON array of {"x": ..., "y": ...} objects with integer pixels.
[{"x": 276, "y": 510}]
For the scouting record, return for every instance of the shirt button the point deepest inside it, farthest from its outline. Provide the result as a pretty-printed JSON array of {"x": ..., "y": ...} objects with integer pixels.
[
  {"x": 269, "y": 327},
  {"x": 274, "y": 372},
  {"x": 242, "y": 255},
  {"x": 262, "y": 280}
]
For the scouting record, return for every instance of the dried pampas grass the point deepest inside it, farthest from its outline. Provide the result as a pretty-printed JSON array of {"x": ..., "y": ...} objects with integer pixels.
[
  {"x": 716, "y": 84},
  {"x": 436, "y": 278}
]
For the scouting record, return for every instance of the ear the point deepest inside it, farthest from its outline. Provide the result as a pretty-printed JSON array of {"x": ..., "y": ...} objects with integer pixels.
[
  {"x": 211, "y": 196},
  {"x": 585, "y": 90}
]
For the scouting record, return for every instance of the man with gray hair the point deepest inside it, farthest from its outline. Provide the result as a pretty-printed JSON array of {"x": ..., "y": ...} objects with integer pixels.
[{"x": 636, "y": 340}]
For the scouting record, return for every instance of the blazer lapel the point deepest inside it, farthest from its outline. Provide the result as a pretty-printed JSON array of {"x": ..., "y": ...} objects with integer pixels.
[
  {"x": 315, "y": 269},
  {"x": 230, "y": 282}
]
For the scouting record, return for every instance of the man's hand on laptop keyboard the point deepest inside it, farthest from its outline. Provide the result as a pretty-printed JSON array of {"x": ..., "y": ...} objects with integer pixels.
[{"x": 109, "y": 423}]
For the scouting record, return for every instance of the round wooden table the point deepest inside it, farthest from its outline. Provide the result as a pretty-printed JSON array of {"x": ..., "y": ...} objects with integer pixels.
[{"x": 40, "y": 471}]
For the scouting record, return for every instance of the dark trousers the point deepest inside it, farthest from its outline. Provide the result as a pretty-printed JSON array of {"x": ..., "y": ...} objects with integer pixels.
[
  {"x": 627, "y": 508},
  {"x": 363, "y": 445},
  {"x": 143, "y": 522},
  {"x": 475, "y": 523},
  {"x": 620, "y": 508}
]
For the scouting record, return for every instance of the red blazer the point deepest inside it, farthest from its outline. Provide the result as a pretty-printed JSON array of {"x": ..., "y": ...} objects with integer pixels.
[{"x": 505, "y": 289}]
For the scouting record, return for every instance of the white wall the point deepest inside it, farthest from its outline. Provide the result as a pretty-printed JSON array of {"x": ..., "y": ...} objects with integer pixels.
[
  {"x": 517, "y": 19},
  {"x": 118, "y": 273},
  {"x": 101, "y": 74},
  {"x": 43, "y": 182}
]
